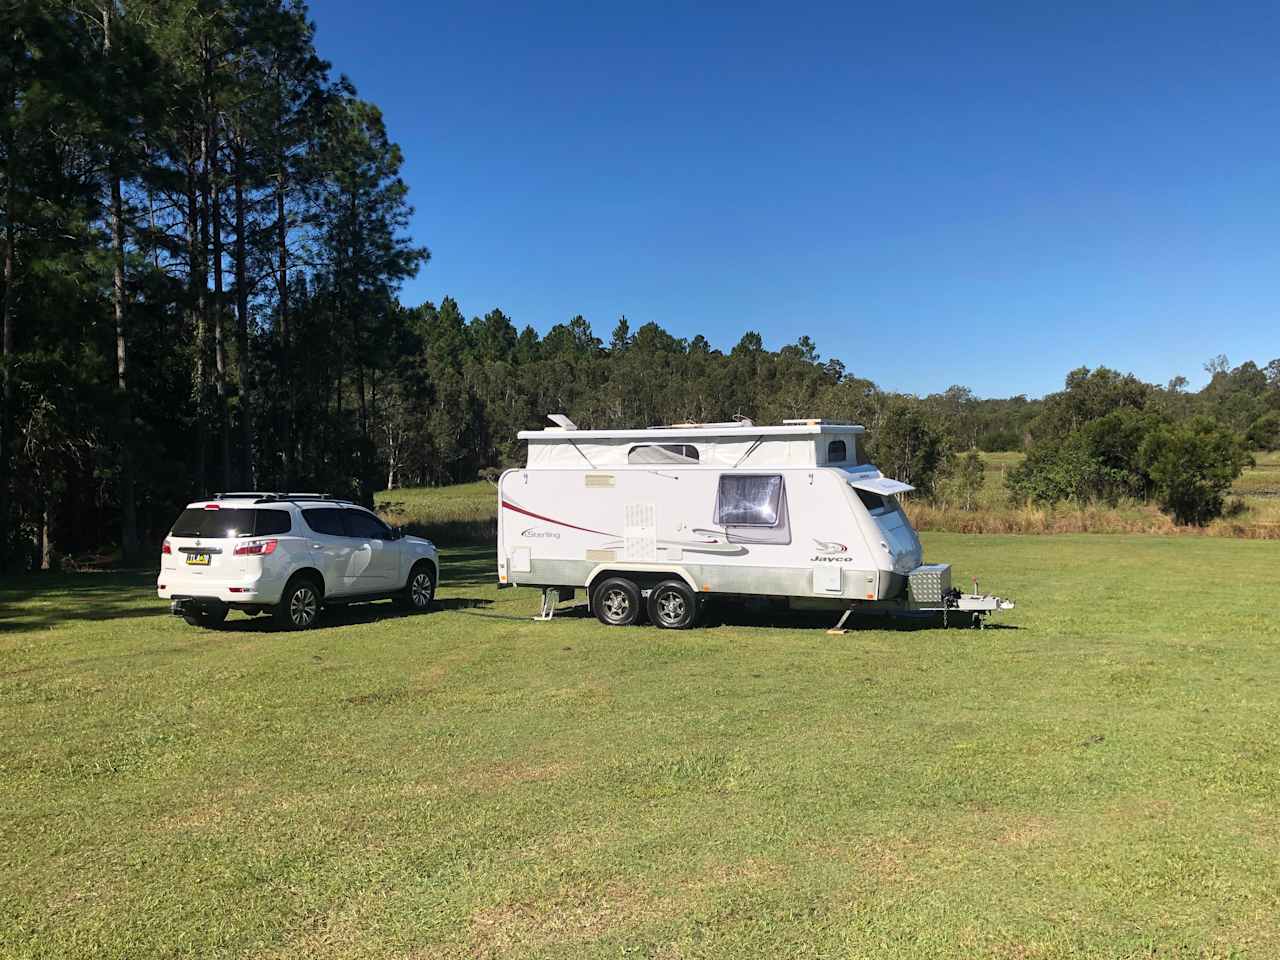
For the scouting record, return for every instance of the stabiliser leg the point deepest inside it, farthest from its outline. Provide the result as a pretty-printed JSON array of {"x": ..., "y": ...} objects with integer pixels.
[
  {"x": 839, "y": 629},
  {"x": 550, "y": 598}
]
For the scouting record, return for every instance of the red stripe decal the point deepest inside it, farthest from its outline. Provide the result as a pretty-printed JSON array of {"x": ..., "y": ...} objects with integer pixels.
[{"x": 537, "y": 516}]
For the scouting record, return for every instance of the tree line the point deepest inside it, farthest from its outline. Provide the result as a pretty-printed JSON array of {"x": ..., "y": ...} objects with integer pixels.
[
  {"x": 203, "y": 233},
  {"x": 203, "y": 237}
]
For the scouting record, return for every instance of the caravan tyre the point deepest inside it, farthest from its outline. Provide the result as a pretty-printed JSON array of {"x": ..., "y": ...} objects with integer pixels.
[
  {"x": 673, "y": 606},
  {"x": 616, "y": 602}
]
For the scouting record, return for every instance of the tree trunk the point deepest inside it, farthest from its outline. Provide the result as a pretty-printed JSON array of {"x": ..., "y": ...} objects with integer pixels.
[
  {"x": 282, "y": 252},
  {"x": 197, "y": 282},
  {"x": 128, "y": 506},
  {"x": 242, "y": 327},
  {"x": 6, "y": 404},
  {"x": 46, "y": 545},
  {"x": 219, "y": 328}
]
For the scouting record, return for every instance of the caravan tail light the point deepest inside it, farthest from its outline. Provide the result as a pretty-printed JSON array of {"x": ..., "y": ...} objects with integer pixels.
[
  {"x": 259, "y": 548},
  {"x": 165, "y": 549}
]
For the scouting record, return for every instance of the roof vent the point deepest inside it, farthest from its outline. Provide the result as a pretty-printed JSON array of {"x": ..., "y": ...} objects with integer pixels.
[{"x": 561, "y": 421}]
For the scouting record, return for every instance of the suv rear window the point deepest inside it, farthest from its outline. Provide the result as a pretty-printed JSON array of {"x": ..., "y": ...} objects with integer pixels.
[{"x": 230, "y": 522}]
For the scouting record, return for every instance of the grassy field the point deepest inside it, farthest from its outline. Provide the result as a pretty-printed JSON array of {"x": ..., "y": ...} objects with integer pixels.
[
  {"x": 462, "y": 514},
  {"x": 1097, "y": 778}
]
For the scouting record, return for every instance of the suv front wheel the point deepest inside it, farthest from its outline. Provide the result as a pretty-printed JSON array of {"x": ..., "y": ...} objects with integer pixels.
[
  {"x": 299, "y": 605},
  {"x": 420, "y": 590}
]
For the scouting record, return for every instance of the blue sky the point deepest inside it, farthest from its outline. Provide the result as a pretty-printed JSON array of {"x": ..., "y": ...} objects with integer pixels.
[{"x": 989, "y": 195}]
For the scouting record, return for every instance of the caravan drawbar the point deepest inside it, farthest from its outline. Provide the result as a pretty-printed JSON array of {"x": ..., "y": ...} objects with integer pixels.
[{"x": 653, "y": 521}]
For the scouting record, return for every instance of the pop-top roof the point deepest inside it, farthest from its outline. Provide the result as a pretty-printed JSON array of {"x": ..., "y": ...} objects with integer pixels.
[{"x": 737, "y": 430}]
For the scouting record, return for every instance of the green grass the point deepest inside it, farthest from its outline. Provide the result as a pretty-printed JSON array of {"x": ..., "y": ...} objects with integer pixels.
[{"x": 1098, "y": 778}]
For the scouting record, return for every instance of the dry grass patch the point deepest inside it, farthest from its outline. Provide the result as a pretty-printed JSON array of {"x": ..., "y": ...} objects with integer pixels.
[
  {"x": 574, "y": 914},
  {"x": 1024, "y": 832},
  {"x": 491, "y": 776}
]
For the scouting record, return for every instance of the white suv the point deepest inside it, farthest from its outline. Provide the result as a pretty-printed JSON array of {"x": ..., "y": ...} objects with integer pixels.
[{"x": 289, "y": 555}]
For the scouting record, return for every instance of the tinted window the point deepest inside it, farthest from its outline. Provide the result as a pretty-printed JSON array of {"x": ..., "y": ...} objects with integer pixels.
[
  {"x": 271, "y": 522},
  {"x": 230, "y": 522},
  {"x": 365, "y": 526},
  {"x": 663, "y": 453},
  {"x": 748, "y": 501},
  {"x": 873, "y": 501},
  {"x": 327, "y": 521},
  {"x": 215, "y": 524},
  {"x": 836, "y": 452}
]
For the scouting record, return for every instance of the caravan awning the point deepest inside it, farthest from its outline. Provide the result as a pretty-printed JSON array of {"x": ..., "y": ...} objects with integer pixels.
[{"x": 881, "y": 485}]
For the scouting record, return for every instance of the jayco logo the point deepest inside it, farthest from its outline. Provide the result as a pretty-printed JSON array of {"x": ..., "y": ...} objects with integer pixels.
[{"x": 829, "y": 551}]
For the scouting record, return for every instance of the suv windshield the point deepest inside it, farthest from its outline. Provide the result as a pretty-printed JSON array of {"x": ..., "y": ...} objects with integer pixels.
[{"x": 229, "y": 522}]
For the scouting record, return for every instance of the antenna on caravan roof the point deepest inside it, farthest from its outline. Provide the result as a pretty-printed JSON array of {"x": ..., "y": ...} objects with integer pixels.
[{"x": 561, "y": 421}]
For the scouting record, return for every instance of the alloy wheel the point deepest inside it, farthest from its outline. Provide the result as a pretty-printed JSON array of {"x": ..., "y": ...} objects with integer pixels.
[
  {"x": 303, "y": 607},
  {"x": 671, "y": 607},
  {"x": 421, "y": 590},
  {"x": 616, "y": 604}
]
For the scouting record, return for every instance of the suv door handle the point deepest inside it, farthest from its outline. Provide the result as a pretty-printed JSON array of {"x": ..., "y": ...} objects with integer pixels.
[{"x": 317, "y": 546}]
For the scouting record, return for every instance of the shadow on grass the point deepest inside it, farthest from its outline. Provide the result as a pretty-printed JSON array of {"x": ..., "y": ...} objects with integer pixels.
[
  {"x": 348, "y": 615},
  {"x": 74, "y": 596},
  {"x": 472, "y": 566},
  {"x": 722, "y": 613},
  {"x": 728, "y": 614}
]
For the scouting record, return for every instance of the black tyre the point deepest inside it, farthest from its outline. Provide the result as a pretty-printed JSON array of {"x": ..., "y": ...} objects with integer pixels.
[
  {"x": 673, "y": 606},
  {"x": 210, "y": 617},
  {"x": 616, "y": 602},
  {"x": 299, "y": 606},
  {"x": 420, "y": 590}
]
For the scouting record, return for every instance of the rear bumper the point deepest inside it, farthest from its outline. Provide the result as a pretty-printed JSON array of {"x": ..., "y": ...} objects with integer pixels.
[{"x": 230, "y": 592}]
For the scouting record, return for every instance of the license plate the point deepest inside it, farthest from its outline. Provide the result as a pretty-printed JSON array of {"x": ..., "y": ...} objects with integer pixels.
[{"x": 198, "y": 559}]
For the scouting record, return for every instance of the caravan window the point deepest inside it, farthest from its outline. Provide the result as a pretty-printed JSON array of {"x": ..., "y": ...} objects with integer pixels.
[
  {"x": 836, "y": 452},
  {"x": 748, "y": 501},
  {"x": 876, "y": 505},
  {"x": 663, "y": 453}
]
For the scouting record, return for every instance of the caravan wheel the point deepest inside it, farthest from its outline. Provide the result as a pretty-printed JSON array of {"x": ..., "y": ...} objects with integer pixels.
[
  {"x": 673, "y": 606},
  {"x": 616, "y": 602}
]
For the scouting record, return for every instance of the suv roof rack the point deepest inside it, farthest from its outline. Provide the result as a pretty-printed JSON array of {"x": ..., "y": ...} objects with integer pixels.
[{"x": 261, "y": 496}]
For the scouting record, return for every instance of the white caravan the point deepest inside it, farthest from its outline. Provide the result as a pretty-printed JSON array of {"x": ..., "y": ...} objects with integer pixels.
[{"x": 656, "y": 520}]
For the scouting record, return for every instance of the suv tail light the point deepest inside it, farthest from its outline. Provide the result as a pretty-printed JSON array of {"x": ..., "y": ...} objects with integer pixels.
[
  {"x": 259, "y": 548},
  {"x": 165, "y": 549}
]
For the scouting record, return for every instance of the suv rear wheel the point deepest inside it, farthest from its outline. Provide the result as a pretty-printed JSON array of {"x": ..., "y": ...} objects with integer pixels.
[{"x": 299, "y": 605}]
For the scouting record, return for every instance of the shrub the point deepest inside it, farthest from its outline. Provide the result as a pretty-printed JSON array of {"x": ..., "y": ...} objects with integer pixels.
[
  {"x": 1192, "y": 466},
  {"x": 965, "y": 482},
  {"x": 1096, "y": 461},
  {"x": 1264, "y": 434}
]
